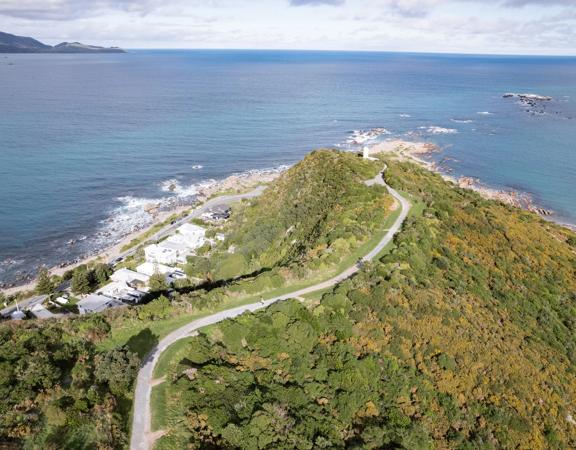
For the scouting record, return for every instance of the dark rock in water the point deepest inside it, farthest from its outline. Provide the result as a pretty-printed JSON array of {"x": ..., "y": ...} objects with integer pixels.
[{"x": 534, "y": 104}]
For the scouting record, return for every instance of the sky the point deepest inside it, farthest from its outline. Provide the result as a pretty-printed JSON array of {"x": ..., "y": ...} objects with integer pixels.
[{"x": 543, "y": 27}]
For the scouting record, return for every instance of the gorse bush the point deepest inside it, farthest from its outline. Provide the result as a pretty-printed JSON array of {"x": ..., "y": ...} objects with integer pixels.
[{"x": 58, "y": 391}]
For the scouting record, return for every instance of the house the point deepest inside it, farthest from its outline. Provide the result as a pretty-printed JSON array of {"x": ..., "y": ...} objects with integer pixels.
[
  {"x": 120, "y": 290},
  {"x": 131, "y": 278},
  {"x": 94, "y": 303},
  {"x": 192, "y": 235},
  {"x": 180, "y": 250},
  {"x": 150, "y": 269},
  {"x": 160, "y": 255},
  {"x": 40, "y": 312},
  {"x": 217, "y": 213}
]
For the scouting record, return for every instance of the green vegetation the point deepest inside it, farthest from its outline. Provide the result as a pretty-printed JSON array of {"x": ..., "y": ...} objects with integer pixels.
[
  {"x": 309, "y": 216},
  {"x": 462, "y": 336},
  {"x": 44, "y": 284},
  {"x": 329, "y": 227},
  {"x": 58, "y": 391}
]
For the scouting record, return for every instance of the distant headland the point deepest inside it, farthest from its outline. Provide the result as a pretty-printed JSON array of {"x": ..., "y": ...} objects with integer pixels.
[{"x": 10, "y": 43}]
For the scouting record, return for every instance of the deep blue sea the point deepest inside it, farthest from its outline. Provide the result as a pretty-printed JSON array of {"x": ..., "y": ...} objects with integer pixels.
[{"x": 87, "y": 140}]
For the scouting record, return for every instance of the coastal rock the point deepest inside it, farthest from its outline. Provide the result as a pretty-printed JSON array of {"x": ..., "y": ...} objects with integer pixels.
[
  {"x": 528, "y": 97},
  {"x": 535, "y": 104}
]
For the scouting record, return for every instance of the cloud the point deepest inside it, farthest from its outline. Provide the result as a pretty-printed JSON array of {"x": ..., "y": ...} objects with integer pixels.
[
  {"x": 316, "y": 2},
  {"x": 71, "y": 9},
  {"x": 520, "y": 3}
]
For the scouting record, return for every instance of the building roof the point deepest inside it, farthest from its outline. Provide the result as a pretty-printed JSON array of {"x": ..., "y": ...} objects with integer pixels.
[
  {"x": 189, "y": 229},
  {"x": 149, "y": 268},
  {"x": 17, "y": 315},
  {"x": 40, "y": 312},
  {"x": 168, "y": 244},
  {"x": 114, "y": 289},
  {"x": 97, "y": 303},
  {"x": 129, "y": 276}
]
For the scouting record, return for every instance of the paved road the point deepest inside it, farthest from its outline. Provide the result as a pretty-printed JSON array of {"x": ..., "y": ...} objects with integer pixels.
[
  {"x": 195, "y": 214},
  {"x": 141, "y": 425}
]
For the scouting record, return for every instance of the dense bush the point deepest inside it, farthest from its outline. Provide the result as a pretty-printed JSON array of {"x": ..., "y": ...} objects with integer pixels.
[{"x": 58, "y": 391}]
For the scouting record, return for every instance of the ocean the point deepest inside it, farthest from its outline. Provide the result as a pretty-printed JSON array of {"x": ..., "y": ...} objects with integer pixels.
[{"x": 86, "y": 141}]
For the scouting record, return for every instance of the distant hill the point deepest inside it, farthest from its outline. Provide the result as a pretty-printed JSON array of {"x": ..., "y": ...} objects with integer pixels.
[{"x": 10, "y": 43}]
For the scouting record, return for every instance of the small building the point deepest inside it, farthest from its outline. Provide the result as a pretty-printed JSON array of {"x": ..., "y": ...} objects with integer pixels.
[
  {"x": 366, "y": 154},
  {"x": 131, "y": 278},
  {"x": 17, "y": 315},
  {"x": 218, "y": 213},
  {"x": 40, "y": 312},
  {"x": 94, "y": 303},
  {"x": 62, "y": 300}
]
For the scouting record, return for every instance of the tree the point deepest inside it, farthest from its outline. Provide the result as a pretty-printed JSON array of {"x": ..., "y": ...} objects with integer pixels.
[
  {"x": 81, "y": 281},
  {"x": 118, "y": 368},
  {"x": 102, "y": 273},
  {"x": 157, "y": 283},
  {"x": 44, "y": 285}
]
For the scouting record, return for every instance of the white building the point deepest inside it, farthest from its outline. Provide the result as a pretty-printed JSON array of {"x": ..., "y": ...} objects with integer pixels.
[
  {"x": 180, "y": 250},
  {"x": 193, "y": 236},
  {"x": 176, "y": 248},
  {"x": 150, "y": 269},
  {"x": 96, "y": 303},
  {"x": 62, "y": 300},
  {"x": 160, "y": 255},
  {"x": 131, "y": 278},
  {"x": 120, "y": 290},
  {"x": 366, "y": 154}
]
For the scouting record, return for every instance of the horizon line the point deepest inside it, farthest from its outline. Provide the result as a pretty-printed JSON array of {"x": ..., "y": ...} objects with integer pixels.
[{"x": 410, "y": 52}]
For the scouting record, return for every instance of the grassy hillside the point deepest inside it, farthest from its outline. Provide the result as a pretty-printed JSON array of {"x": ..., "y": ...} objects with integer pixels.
[
  {"x": 315, "y": 213},
  {"x": 464, "y": 336}
]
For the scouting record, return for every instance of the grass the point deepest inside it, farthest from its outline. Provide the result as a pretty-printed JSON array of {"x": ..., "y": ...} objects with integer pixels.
[
  {"x": 171, "y": 356},
  {"x": 158, "y": 397}
]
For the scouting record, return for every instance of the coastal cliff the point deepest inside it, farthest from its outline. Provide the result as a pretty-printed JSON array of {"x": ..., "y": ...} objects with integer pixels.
[{"x": 10, "y": 43}]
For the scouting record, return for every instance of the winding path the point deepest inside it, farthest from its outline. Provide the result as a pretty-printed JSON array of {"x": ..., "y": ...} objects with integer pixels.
[{"x": 142, "y": 437}]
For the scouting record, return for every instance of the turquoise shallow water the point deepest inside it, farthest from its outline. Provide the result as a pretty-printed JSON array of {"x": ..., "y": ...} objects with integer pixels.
[{"x": 87, "y": 140}]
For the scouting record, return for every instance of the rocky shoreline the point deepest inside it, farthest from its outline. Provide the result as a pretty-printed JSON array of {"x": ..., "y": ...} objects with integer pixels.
[{"x": 416, "y": 151}]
